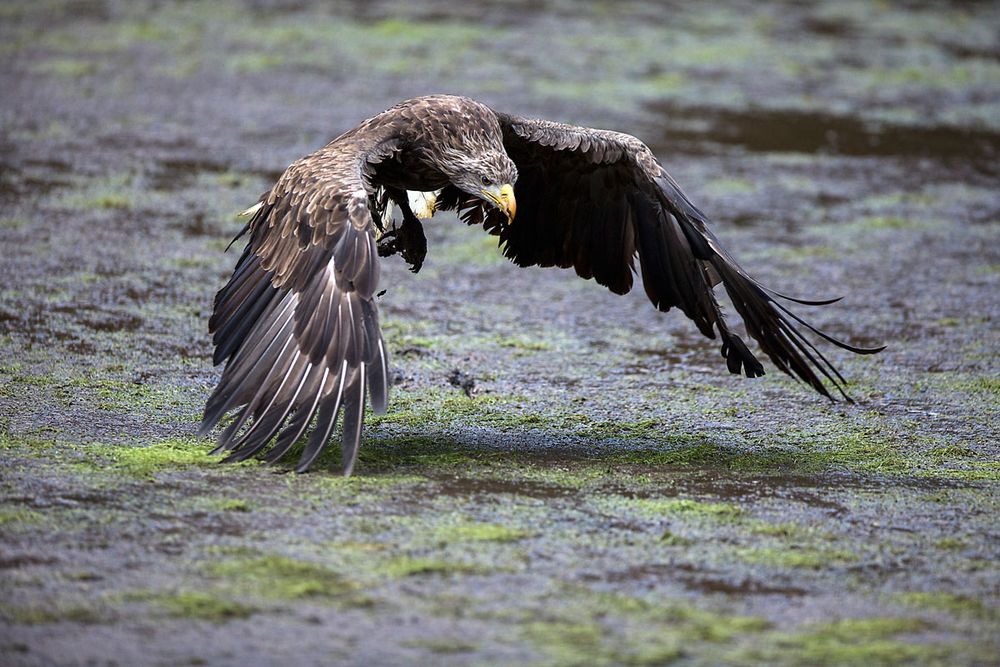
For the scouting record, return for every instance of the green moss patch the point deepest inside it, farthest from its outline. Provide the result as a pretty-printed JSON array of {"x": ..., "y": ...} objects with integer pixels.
[
  {"x": 435, "y": 452},
  {"x": 657, "y": 506},
  {"x": 18, "y": 516},
  {"x": 477, "y": 532},
  {"x": 861, "y": 642},
  {"x": 233, "y": 505},
  {"x": 678, "y": 507},
  {"x": 797, "y": 556},
  {"x": 38, "y": 615},
  {"x": 68, "y": 68},
  {"x": 957, "y": 605},
  {"x": 566, "y": 642},
  {"x": 783, "y": 530},
  {"x": 609, "y": 629},
  {"x": 195, "y": 605},
  {"x": 13, "y": 223},
  {"x": 144, "y": 461},
  {"x": 405, "y": 566},
  {"x": 950, "y": 544},
  {"x": 283, "y": 578},
  {"x": 443, "y": 645},
  {"x": 671, "y": 539}
]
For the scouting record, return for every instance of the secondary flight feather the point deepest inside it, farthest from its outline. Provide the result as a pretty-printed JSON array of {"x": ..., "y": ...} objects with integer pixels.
[{"x": 297, "y": 326}]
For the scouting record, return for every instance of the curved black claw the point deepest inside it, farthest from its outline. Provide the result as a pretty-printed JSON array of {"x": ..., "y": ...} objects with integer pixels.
[
  {"x": 408, "y": 241},
  {"x": 413, "y": 243}
]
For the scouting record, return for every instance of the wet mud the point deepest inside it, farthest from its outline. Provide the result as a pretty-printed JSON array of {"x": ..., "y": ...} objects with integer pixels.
[
  {"x": 564, "y": 476},
  {"x": 797, "y": 131}
]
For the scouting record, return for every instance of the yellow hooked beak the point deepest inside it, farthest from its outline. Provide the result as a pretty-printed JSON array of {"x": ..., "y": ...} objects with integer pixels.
[{"x": 503, "y": 198}]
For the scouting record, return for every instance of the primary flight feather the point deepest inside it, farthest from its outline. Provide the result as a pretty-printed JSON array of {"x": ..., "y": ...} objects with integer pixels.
[{"x": 297, "y": 325}]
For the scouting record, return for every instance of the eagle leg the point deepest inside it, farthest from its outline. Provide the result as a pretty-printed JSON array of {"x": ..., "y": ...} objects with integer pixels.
[{"x": 408, "y": 238}]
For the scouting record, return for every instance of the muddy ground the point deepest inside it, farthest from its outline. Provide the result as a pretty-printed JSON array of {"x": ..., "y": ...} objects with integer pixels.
[{"x": 609, "y": 494}]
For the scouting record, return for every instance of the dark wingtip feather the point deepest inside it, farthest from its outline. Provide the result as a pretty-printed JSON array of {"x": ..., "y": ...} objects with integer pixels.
[
  {"x": 827, "y": 337},
  {"x": 804, "y": 302},
  {"x": 739, "y": 357},
  {"x": 772, "y": 325}
]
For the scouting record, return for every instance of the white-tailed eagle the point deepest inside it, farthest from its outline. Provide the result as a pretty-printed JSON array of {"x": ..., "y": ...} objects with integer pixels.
[{"x": 297, "y": 325}]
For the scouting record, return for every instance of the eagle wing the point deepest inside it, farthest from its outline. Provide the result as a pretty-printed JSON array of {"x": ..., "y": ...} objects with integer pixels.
[
  {"x": 596, "y": 200},
  {"x": 297, "y": 324}
]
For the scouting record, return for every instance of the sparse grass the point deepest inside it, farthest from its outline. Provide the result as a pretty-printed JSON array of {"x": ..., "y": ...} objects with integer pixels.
[
  {"x": 443, "y": 645},
  {"x": 18, "y": 516},
  {"x": 861, "y": 642},
  {"x": 430, "y": 407},
  {"x": 986, "y": 385},
  {"x": 405, "y": 566},
  {"x": 524, "y": 343},
  {"x": 679, "y": 506},
  {"x": 671, "y": 539},
  {"x": 56, "y": 613},
  {"x": 234, "y": 505},
  {"x": 957, "y": 605},
  {"x": 13, "y": 223},
  {"x": 194, "y": 605},
  {"x": 609, "y": 629},
  {"x": 477, "y": 532},
  {"x": 797, "y": 556},
  {"x": 255, "y": 62},
  {"x": 730, "y": 186},
  {"x": 566, "y": 642},
  {"x": 144, "y": 461},
  {"x": 105, "y": 393},
  {"x": 950, "y": 544},
  {"x": 783, "y": 530},
  {"x": 282, "y": 578},
  {"x": 888, "y": 222},
  {"x": 109, "y": 201},
  {"x": 478, "y": 250},
  {"x": 68, "y": 68}
]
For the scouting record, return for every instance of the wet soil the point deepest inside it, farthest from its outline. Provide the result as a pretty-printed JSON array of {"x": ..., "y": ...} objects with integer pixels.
[{"x": 564, "y": 476}]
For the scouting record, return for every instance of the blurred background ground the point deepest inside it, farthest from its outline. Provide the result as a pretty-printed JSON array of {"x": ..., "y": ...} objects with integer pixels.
[{"x": 609, "y": 494}]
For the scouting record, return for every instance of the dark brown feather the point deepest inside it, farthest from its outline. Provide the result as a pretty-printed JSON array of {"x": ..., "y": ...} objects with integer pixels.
[{"x": 594, "y": 200}]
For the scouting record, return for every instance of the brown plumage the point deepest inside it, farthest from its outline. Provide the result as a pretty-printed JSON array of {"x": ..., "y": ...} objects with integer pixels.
[{"x": 297, "y": 324}]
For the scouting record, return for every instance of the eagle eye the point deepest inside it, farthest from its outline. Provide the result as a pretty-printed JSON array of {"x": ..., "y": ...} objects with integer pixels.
[{"x": 485, "y": 180}]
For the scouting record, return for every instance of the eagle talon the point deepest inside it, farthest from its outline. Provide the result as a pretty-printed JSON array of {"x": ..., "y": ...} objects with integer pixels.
[
  {"x": 385, "y": 240},
  {"x": 406, "y": 240}
]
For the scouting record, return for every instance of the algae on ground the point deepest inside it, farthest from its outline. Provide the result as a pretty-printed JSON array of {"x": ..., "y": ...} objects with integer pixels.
[
  {"x": 145, "y": 460},
  {"x": 194, "y": 605},
  {"x": 59, "y": 613},
  {"x": 797, "y": 556},
  {"x": 860, "y": 642},
  {"x": 477, "y": 532},
  {"x": 282, "y": 578}
]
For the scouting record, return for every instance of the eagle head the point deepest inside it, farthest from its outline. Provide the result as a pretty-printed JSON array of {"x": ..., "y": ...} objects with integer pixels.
[{"x": 488, "y": 175}]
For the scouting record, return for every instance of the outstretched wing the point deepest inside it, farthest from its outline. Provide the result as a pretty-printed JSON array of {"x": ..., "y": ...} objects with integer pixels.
[
  {"x": 596, "y": 200},
  {"x": 297, "y": 324}
]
